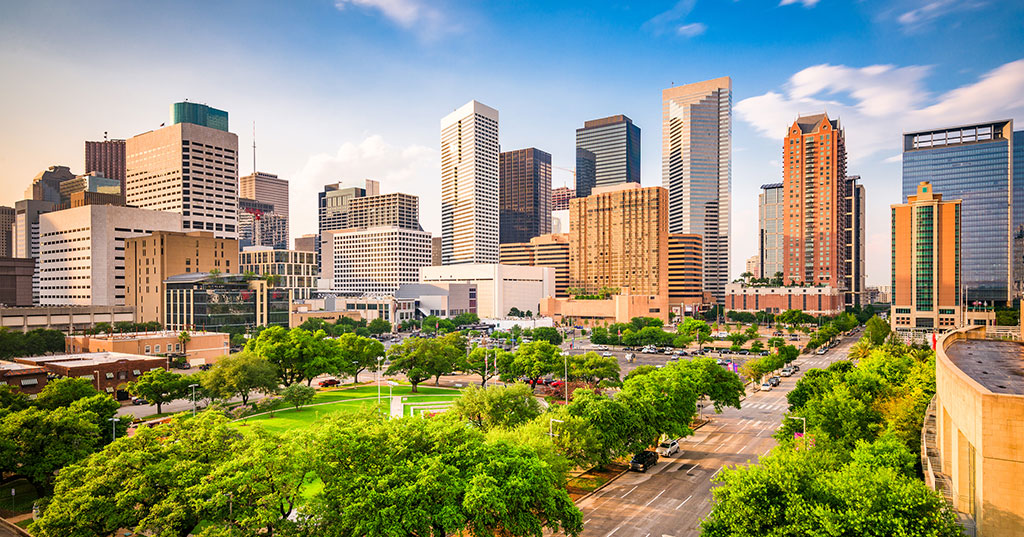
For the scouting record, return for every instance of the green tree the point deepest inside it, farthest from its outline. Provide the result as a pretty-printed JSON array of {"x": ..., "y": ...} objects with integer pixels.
[
  {"x": 532, "y": 360},
  {"x": 378, "y": 326},
  {"x": 413, "y": 358},
  {"x": 159, "y": 386},
  {"x": 12, "y": 399},
  {"x": 298, "y": 395},
  {"x": 496, "y": 406},
  {"x": 358, "y": 353},
  {"x": 238, "y": 375},
  {"x": 184, "y": 338},
  {"x": 876, "y": 330},
  {"x": 316, "y": 354},
  {"x": 449, "y": 352},
  {"x": 275, "y": 345},
  {"x": 483, "y": 362},
  {"x": 103, "y": 407},
  {"x": 36, "y": 443},
  {"x": 592, "y": 367},
  {"x": 547, "y": 333},
  {"x": 64, "y": 391},
  {"x": 464, "y": 319},
  {"x": 640, "y": 370}
]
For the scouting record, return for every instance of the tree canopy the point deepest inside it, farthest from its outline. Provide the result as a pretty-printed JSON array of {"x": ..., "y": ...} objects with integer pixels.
[
  {"x": 159, "y": 386},
  {"x": 238, "y": 375}
]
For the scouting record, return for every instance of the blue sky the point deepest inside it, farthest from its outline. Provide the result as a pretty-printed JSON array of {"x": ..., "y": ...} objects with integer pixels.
[{"x": 353, "y": 89}]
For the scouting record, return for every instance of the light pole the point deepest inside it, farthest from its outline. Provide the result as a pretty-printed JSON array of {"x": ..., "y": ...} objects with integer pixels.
[
  {"x": 113, "y": 428},
  {"x": 377, "y": 371},
  {"x": 97, "y": 380},
  {"x": 565, "y": 358},
  {"x": 193, "y": 386},
  {"x": 804, "y": 434}
]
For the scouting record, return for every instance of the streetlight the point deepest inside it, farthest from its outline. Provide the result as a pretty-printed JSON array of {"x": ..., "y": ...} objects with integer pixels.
[
  {"x": 97, "y": 380},
  {"x": 377, "y": 374},
  {"x": 391, "y": 385},
  {"x": 804, "y": 434},
  {"x": 113, "y": 428},
  {"x": 193, "y": 386},
  {"x": 565, "y": 358}
]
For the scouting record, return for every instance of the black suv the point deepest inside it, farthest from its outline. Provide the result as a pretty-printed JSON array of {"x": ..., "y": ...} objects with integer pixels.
[{"x": 643, "y": 460}]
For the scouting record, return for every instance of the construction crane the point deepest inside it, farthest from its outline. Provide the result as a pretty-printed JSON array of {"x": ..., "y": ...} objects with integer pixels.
[{"x": 573, "y": 172}]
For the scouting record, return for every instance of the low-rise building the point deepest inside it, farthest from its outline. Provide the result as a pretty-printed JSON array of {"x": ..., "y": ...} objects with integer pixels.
[
  {"x": 229, "y": 303},
  {"x": 200, "y": 348},
  {"x": 499, "y": 288},
  {"x": 363, "y": 307},
  {"x": 27, "y": 379},
  {"x": 599, "y": 312},
  {"x": 812, "y": 300},
  {"x": 69, "y": 319},
  {"x": 110, "y": 372},
  {"x": 295, "y": 270},
  {"x": 440, "y": 299}
]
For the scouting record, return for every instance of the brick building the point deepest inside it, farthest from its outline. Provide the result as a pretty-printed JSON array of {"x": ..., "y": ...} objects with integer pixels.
[
  {"x": 25, "y": 378},
  {"x": 202, "y": 347},
  {"x": 110, "y": 372},
  {"x": 819, "y": 300}
]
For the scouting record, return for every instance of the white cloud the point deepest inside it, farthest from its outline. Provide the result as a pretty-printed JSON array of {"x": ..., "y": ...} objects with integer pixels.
[
  {"x": 413, "y": 169},
  {"x": 692, "y": 30},
  {"x": 805, "y": 3},
  {"x": 934, "y": 10},
  {"x": 409, "y": 14}
]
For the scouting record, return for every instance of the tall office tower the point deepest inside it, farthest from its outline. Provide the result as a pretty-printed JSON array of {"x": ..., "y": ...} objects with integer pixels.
[
  {"x": 550, "y": 250},
  {"x": 269, "y": 188},
  {"x": 615, "y": 143},
  {"x": 926, "y": 250},
  {"x": 151, "y": 259},
  {"x": 975, "y": 164},
  {"x": 685, "y": 272},
  {"x": 619, "y": 239},
  {"x": 854, "y": 241},
  {"x": 469, "y": 185},
  {"x": 334, "y": 203},
  {"x": 259, "y": 224},
  {"x": 560, "y": 198},
  {"x": 696, "y": 168},
  {"x": 296, "y": 269},
  {"x": 586, "y": 172},
  {"x": 187, "y": 168},
  {"x": 435, "y": 251},
  {"x": 754, "y": 265},
  {"x": 770, "y": 209},
  {"x": 816, "y": 195},
  {"x": 6, "y": 231},
  {"x": 46, "y": 184},
  {"x": 81, "y": 252},
  {"x": 108, "y": 158},
  {"x": 307, "y": 242},
  {"x": 373, "y": 260},
  {"x": 90, "y": 182},
  {"x": 397, "y": 209},
  {"x": 25, "y": 240},
  {"x": 524, "y": 197}
]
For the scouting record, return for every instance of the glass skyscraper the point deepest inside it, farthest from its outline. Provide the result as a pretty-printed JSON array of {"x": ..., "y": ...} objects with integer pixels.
[
  {"x": 974, "y": 163},
  {"x": 614, "y": 142},
  {"x": 199, "y": 114}
]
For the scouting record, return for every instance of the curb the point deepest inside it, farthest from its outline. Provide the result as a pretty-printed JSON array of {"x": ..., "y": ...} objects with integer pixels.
[{"x": 603, "y": 485}]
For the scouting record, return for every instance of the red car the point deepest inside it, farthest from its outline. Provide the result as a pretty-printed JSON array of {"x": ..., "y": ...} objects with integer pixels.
[
  {"x": 557, "y": 384},
  {"x": 329, "y": 382}
]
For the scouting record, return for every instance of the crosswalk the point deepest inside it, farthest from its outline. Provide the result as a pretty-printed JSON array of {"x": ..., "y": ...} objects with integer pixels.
[{"x": 767, "y": 406}]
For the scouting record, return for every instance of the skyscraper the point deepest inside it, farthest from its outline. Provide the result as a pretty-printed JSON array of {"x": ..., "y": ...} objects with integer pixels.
[
  {"x": 614, "y": 142},
  {"x": 187, "y": 168},
  {"x": 770, "y": 209},
  {"x": 524, "y": 195},
  {"x": 335, "y": 201},
  {"x": 550, "y": 250},
  {"x": 854, "y": 236},
  {"x": 816, "y": 198},
  {"x": 6, "y": 231},
  {"x": 259, "y": 224},
  {"x": 469, "y": 185},
  {"x": 108, "y": 158},
  {"x": 975, "y": 164},
  {"x": 90, "y": 182},
  {"x": 199, "y": 114},
  {"x": 696, "y": 168},
  {"x": 560, "y": 198},
  {"x": 269, "y": 188},
  {"x": 46, "y": 184}
]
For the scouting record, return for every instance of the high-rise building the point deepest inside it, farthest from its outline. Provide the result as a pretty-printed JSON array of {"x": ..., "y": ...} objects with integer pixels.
[
  {"x": 373, "y": 260},
  {"x": 269, "y": 188},
  {"x": 16, "y": 282},
  {"x": 685, "y": 266},
  {"x": 396, "y": 209},
  {"x": 586, "y": 172},
  {"x": 46, "y": 184},
  {"x": 619, "y": 240},
  {"x": 89, "y": 182},
  {"x": 6, "y": 231},
  {"x": 696, "y": 168},
  {"x": 199, "y": 114},
  {"x": 770, "y": 210},
  {"x": 108, "y": 158},
  {"x": 81, "y": 252},
  {"x": 525, "y": 195},
  {"x": 25, "y": 240},
  {"x": 187, "y": 168},
  {"x": 544, "y": 251},
  {"x": 307, "y": 242},
  {"x": 975, "y": 164},
  {"x": 151, "y": 259},
  {"x": 816, "y": 202},
  {"x": 295, "y": 270},
  {"x": 259, "y": 224},
  {"x": 854, "y": 240},
  {"x": 615, "y": 144},
  {"x": 560, "y": 198},
  {"x": 469, "y": 185},
  {"x": 435, "y": 251},
  {"x": 335, "y": 200},
  {"x": 753, "y": 265},
  {"x": 926, "y": 260}
]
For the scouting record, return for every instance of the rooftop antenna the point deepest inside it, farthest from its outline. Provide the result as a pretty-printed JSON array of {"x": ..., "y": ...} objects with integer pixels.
[
  {"x": 254, "y": 147},
  {"x": 104, "y": 136}
]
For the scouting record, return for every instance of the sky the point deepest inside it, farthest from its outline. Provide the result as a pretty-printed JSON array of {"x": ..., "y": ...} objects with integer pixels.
[{"x": 345, "y": 90}]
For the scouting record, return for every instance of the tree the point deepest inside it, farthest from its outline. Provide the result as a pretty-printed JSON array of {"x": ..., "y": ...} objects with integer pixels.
[
  {"x": 184, "y": 338},
  {"x": 298, "y": 395},
  {"x": 62, "y": 392},
  {"x": 12, "y": 399},
  {"x": 413, "y": 358},
  {"x": 496, "y": 406},
  {"x": 36, "y": 443},
  {"x": 240, "y": 375},
  {"x": 547, "y": 333},
  {"x": 465, "y": 319},
  {"x": 103, "y": 407},
  {"x": 532, "y": 360},
  {"x": 378, "y": 326},
  {"x": 876, "y": 330},
  {"x": 484, "y": 362},
  {"x": 275, "y": 345},
  {"x": 358, "y": 353},
  {"x": 640, "y": 370},
  {"x": 159, "y": 386},
  {"x": 449, "y": 352},
  {"x": 315, "y": 354},
  {"x": 592, "y": 367}
]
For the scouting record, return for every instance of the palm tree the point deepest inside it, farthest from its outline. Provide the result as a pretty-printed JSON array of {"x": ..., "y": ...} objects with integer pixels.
[
  {"x": 859, "y": 350},
  {"x": 184, "y": 337}
]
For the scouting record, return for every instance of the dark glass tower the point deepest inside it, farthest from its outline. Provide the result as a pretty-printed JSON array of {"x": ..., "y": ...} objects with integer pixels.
[
  {"x": 615, "y": 144},
  {"x": 524, "y": 200}
]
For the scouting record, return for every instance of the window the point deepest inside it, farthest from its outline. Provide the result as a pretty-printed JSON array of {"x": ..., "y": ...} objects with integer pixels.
[
  {"x": 147, "y": 349},
  {"x": 157, "y": 349},
  {"x": 109, "y": 376},
  {"x": 28, "y": 382}
]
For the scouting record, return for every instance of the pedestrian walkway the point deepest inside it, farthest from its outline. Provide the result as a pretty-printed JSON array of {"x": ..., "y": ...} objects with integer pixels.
[{"x": 397, "y": 409}]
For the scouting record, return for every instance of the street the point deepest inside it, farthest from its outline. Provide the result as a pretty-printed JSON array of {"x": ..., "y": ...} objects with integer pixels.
[{"x": 672, "y": 498}]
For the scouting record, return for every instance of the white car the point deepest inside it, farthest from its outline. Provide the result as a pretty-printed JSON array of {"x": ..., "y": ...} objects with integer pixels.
[
  {"x": 668, "y": 448},
  {"x": 606, "y": 354},
  {"x": 766, "y": 387}
]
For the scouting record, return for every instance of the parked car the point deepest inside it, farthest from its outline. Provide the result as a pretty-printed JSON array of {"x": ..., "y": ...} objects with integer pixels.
[
  {"x": 766, "y": 387},
  {"x": 139, "y": 401},
  {"x": 668, "y": 448},
  {"x": 557, "y": 384},
  {"x": 606, "y": 354},
  {"x": 794, "y": 367},
  {"x": 329, "y": 382},
  {"x": 775, "y": 381},
  {"x": 205, "y": 367},
  {"x": 787, "y": 372},
  {"x": 821, "y": 351},
  {"x": 643, "y": 460}
]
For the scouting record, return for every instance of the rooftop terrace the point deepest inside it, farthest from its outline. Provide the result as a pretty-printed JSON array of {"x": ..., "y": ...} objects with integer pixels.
[{"x": 996, "y": 365}]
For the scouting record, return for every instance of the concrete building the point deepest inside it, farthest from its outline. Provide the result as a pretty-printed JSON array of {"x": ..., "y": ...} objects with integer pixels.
[
  {"x": 560, "y": 198},
  {"x": 612, "y": 145},
  {"x": 373, "y": 260},
  {"x": 108, "y": 158},
  {"x": 560, "y": 221},
  {"x": 25, "y": 241},
  {"x": 217, "y": 303},
  {"x": 753, "y": 265},
  {"x": 335, "y": 201},
  {"x": 435, "y": 251},
  {"x": 82, "y": 252},
  {"x": 685, "y": 281},
  {"x": 771, "y": 230},
  {"x": 444, "y": 300},
  {"x": 27, "y": 379},
  {"x": 306, "y": 243},
  {"x": 189, "y": 169},
  {"x": 296, "y": 270},
  {"x": 812, "y": 300},
  {"x": 151, "y": 259},
  {"x": 6, "y": 231},
  {"x": 696, "y": 168},
  {"x": 259, "y": 224},
  {"x": 524, "y": 199},
  {"x": 201, "y": 348},
  {"x": 268, "y": 188},
  {"x": 365, "y": 307},
  {"x": 971, "y": 448},
  {"x": 46, "y": 184},
  {"x": 499, "y": 287},
  {"x": 469, "y": 185},
  {"x": 64, "y": 318},
  {"x": 90, "y": 182},
  {"x": 550, "y": 250},
  {"x": 81, "y": 199},
  {"x": 110, "y": 372},
  {"x": 619, "y": 239},
  {"x": 16, "y": 281},
  {"x": 396, "y": 209},
  {"x": 602, "y": 312}
]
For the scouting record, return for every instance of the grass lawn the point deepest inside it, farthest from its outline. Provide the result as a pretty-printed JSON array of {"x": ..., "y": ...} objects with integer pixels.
[{"x": 289, "y": 418}]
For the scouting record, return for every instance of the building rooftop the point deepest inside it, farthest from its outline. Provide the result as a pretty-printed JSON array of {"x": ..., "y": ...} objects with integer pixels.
[
  {"x": 160, "y": 334},
  {"x": 996, "y": 365},
  {"x": 86, "y": 359},
  {"x": 7, "y": 368}
]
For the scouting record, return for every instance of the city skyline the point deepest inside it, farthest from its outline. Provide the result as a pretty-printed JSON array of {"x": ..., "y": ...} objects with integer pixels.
[{"x": 878, "y": 92}]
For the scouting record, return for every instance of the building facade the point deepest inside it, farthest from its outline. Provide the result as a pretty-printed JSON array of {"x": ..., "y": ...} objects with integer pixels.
[
  {"x": 295, "y": 270},
  {"x": 855, "y": 242},
  {"x": 108, "y": 158},
  {"x": 685, "y": 266},
  {"x": 259, "y": 224},
  {"x": 603, "y": 312},
  {"x": 396, "y": 209},
  {"x": 614, "y": 142},
  {"x": 363, "y": 307},
  {"x": 151, "y": 259},
  {"x": 560, "y": 198},
  {"x": 469, "y": 185},
  {"x": 64, "y": 318},
  {"x": 973, "y": 163},
  {"x": 696, "y": 168},
  {"x": 499, "y": 288},
  {"x": 109, "y": 372},
  {"x": 16, "y": 281},
  {"x": 27, "y": 379},
  {"x": 82, "y": 252},
  {"x": 374, "y": 260},
  {"x": 188, "y": 169},
  {"x": 544, "y": 251},
  {"x": 926, "y": 293},
  {"x": 46, "y": 184},
  {"x": 435, "y": 251},
  {"x": 269, "y": 188},
  {"x": 443, "y": 300},
  {"x": 812, "y": 300},
  {"x": 770, "y": 211},
  {"x": 219, "y": 303},
  {"x": 524, "y": 198},
  {"x": 201, "y": 347},
  {"x": 334, "y": 204},
  {"x": 90, "y": 182},
  {"x": 7, "y": 231},
  {"x": 199, "y": 114},
  {"x": 753, "y": 265},
  {"x": 25, "y": 240}
]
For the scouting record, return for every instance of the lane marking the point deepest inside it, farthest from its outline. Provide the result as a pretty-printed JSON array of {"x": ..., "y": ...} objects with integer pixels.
[
  {"x": 655, "y": 498},
  {"x": 627, "y": 494},
  {"x": 683, "y": 502},
  {"x": 766, "y": 452},
  {"x": 613, "y": 531},
  {"x": 716, "y": 472}
]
